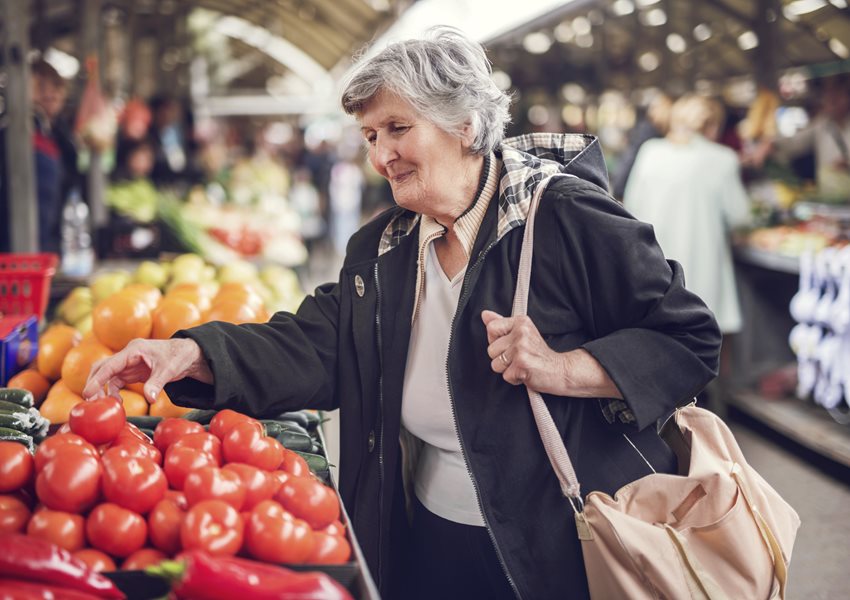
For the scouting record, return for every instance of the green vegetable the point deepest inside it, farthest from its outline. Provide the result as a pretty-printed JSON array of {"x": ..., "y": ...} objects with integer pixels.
[
  {"x": 307, "y": 419},
  {"x": 11, "y": 407},
  {"x": 17, "y": 420},
  {"x": 144, "y": 421},
  {"x": 200, "y": 415},
  {"x": 318, "y": 464},
  {"x": 16, "y": 396},
  {"x": 294, "y": 440},
  {"x": 13, "y": 435}
]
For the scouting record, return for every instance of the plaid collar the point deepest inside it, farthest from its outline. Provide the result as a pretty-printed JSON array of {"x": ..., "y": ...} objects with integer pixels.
[{"x": 526, "y": 161}]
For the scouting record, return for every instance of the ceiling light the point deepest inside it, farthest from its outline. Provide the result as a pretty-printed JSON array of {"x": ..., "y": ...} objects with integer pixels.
[
  {"x": 501, "y": 79},
  {"x": 839, "y": 3},
  {"x": 621, "y": 8},
  {"x": 564, "y": 32},
  {"x": 537, "y": 42},
  {"x": 654, "y": 18},
  {"x": 676, "y": 43},
  {"x": 838, "y": 47},
  {"x": 538, "y": 115},
  {"x": 702, "y": 32},
  {"x": 572, "y": 115},
  {"x": 573, "y": 93},
  {"x": 648, "y": 61},
  {"x": 803, "y": 7},
  {"x": 645, "y": 3},
  {"x": 581, "y": 25},
  {"x": 748, "y": 40}
]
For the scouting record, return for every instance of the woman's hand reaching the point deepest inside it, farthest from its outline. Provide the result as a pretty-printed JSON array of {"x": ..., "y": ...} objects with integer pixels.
[
  {"x": 522, "y": 356},
  {"x": 155, "y": 362}
]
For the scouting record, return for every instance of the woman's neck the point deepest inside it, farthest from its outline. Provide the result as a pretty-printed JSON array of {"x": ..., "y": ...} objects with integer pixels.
[{"x": 465, "y": 194}]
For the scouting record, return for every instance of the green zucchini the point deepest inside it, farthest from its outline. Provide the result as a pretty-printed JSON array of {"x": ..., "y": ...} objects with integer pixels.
[
  {"x": 144, "y": 421},
  {"x": 20, "y": 421},
  {"x": 317, "y": 463},
  {"x": 272, "y": 428},
  {"x": 294, "y": 440},
  {"x": 16, "y": 396},
  {"x": 200, "y": 415},
  {"x": 13, "y": 435},
  {"x": 11, "y": 407},
  {"x": 307, "y": 419}
]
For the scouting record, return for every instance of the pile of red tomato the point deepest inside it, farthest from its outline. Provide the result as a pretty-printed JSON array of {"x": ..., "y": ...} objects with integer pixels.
[{"x": 103, "y": 490}]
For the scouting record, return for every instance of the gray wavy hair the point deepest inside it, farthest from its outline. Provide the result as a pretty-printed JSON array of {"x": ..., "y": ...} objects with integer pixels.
[{"x": 445, "y": 77}]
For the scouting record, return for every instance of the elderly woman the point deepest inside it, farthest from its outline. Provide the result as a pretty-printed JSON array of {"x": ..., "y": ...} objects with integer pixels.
[{"x": 441, "y": 468}]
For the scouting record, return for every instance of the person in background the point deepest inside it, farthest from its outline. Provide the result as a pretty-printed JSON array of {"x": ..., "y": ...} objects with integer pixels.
[
  {"x": 442, "y": 469},
  {"x": 304, "y": 198},
  {"x": 654, "y": 124},
  {"x": 828, "y": 135},
  {"x": 172, "y": 155},
  {"x": 49, "y": 92},
  {"x": 688, "y": 187}
]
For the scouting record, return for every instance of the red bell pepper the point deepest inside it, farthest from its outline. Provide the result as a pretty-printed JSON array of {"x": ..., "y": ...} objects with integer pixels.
[
  {"x": 31, "y": 559},
  {"x": 16, "y": 589},
  {"x": 204, "y": 577}
]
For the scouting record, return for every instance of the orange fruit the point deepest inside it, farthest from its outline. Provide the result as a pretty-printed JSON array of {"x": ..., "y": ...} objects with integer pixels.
[
  {"x": 58, "y": 387},
  {"x": 137, "y": 387},
  {"x": 150, "y": 294},
  {"x": 172, "y": 314},
  {"x": 192, "y": 292},
  {"x": 78, "y": 364},
  {"x": 231, "y": 311},
  {"x": 134, "y": 403},
  {"x": 57, "y": 407},
  {"x": 30, "y": 379},
  {"x": 119, "y": 319},
  {"x": 244, "y": 292},
  {"x": 165, "y": 408},
  {"x": 53, "y": 345}
]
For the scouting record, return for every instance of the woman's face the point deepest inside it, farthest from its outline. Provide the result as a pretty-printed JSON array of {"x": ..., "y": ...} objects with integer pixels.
[{"x": 424, "y": 164}]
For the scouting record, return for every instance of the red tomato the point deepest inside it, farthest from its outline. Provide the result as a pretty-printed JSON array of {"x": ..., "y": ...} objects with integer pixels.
[
  {"x": 98, "y": 421},
  {"x": 164, "y": 526},
  {"x": 336, "y": 528},
  {"x": 134, "y": 483},
  {"x": 179, "y": 462},
  {"x": 170, "y": 430},
  {"x": 61, "y": 442},
  {"x": 203, "y": 441},
  {"x": 272, "y": 535},
  {"x": 212, "y": 483},
  {"x": 294, "y": 464},
  {"x": 134, "y": 448},
  {"x": 224, "y": 420},
  {"x": 259, "y": 485},
  {"x": 309, "y": 499},
  {"x": 279, "y": 477},
  {"x": 116, "y": 530},
  {"x": 178, "y": 497},
  {"x": 131, "y": 432},
  {"x": 213, "y": 526},
  {"x": 61, "y": 528},
  {"x": 96, "y": 560},
  {"x": 16, "y": 466},
  {"x": 14, "y": 514},
  {"x": 70, "y": 482},
  {"x": 329, "y": 549},
  {"x": 141, "y": 559},
  {"x": 246, "y": 443}
]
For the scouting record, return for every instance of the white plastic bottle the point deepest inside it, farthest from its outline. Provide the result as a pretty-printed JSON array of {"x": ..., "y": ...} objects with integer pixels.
[{"x": 77, "y": 252}]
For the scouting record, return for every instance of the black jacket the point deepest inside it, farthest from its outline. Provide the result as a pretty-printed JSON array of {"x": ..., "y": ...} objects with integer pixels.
[{"x": 599, "y": 281}]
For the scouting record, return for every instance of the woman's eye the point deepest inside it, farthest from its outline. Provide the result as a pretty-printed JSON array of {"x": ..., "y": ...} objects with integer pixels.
[{"x": 399, "y": 128}]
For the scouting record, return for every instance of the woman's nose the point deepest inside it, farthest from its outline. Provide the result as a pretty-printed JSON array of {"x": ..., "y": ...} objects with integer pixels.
[{"x": 384, "y": 153}]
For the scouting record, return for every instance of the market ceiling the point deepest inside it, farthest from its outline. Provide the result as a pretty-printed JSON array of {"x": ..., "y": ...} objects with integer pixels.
[
  {"x": 633, "y": 44},
  {"x": 328, "y": 31}
]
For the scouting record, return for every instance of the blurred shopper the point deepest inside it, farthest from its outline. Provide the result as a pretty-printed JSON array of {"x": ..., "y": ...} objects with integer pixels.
[
  {"x": 442, "y": 469},
  {"x": 828, "y": 135},
  {"x": 758, "y": 130},
  {"x": 304, "y": 198},
  {"x": 654, "y": 124},
  {"x": 49, "y": 92},
  {"x": 345, "y": 191},
  {"x": 171, "y": 140},
  {"x": 689, "y": 188}
]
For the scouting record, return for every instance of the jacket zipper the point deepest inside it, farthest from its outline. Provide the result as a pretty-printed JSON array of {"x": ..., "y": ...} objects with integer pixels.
[
  {"x": 381, "y": 426},
  {"x": 421, "y": 268},
  {"x": 478, "y": 261}
]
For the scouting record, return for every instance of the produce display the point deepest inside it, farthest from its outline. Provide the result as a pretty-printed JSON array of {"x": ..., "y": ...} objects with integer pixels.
[{"x": 179, "y": 497}]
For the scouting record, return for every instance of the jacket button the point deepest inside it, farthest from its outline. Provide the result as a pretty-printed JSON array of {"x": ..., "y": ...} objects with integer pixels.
[
  {"x": 371, "y": 442},
  {"x": 359, "y": 286}
]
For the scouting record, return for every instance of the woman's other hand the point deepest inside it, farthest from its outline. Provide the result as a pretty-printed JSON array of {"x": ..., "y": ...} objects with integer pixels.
[
  {"x": 155, "y": 362},
  {"x": 521, "y": 355}
]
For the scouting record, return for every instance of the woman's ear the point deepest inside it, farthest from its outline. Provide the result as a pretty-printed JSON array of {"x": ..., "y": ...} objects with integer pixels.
[{"x": 467, "y": 135}]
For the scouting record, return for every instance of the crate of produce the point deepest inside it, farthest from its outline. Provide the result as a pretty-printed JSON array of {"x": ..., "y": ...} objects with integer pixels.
[{"x": 25, "y": 282}]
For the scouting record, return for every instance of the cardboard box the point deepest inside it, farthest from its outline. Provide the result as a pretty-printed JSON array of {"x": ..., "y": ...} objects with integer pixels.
[{"x": 18, "y": 344}]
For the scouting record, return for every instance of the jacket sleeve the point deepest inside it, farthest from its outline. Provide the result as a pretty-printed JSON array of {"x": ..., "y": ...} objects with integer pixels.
[
  {"x": 263, "y": 369},
  {"x": 657, "y": 341}
]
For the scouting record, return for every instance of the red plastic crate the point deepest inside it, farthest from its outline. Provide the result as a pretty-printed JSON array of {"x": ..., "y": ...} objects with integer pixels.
[{"x": 25, "y": 282}]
